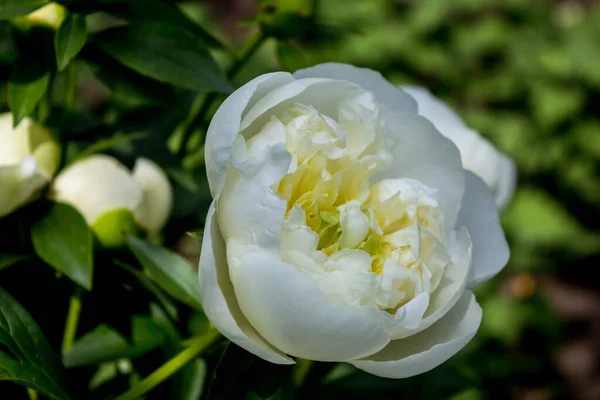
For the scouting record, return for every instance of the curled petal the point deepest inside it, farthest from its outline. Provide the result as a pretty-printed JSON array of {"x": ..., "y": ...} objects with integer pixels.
[{"x": 420, "y": 353}]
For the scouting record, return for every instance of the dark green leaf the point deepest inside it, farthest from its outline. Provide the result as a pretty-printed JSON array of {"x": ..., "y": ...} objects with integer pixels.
[
  {"x": 239, "y": 372},
  {"x": 35, "y": 366},
  {"x": 169, "y": 270},
  {"x": 7, "y": 260},
  {"x": 166, "y": 53},
  {"x": 188, "y": 383},
  {"x": 191, "y": 381},
  {"x": 26, "y": 87},
  {"x": 63, "y": 240},
  {"x": 146, "y": 10},
  {"x": 164, "y": 300},
  {"x": 127, "y": 85},
  {"x": 69, "y": 39},
  {"x": 13, "y": 8},
  {"x": 105, "y": 344},
  {"x": 289, "y": 57}
]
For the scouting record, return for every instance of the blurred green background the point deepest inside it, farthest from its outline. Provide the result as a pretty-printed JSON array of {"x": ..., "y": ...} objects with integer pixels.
[{"x": 524, "y": 73}]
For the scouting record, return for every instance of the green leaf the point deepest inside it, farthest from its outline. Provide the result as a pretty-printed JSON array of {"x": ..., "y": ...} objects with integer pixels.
[
  {"x": 26, "y": 87},
  {"x": 63, "y": 239},
  {"x": 169, "y": 270},
  {"x": 7, "y": 260},
  {"x": 36, "y": 365},
  {"x": 166, "y": 53},
  {"x": 14, "y": 8},
  {"x": 188, "y": 383},
  {"x": 69, "y": 39},
  {"x": 191, "y": 381},
  {"x": 239, "y": 372},
  {"x": 105, "y": 344}
]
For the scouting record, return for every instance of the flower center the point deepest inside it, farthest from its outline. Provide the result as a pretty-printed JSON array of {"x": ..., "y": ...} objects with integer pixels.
[{"x": 379, "y": 244}]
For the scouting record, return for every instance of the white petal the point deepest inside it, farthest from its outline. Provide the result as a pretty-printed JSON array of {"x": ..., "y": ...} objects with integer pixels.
[
  {"x": 272, "y": 133},
  {"x": 324, "y": 95},
  {"x": 14, "y": 143},
  {"x": 249, "y": 210},
  {"x": 422, "y": 153},
  {"x": 290, "y": 311},
  {"x": 449, "y": 290},
  {"x": 478, "y": 154},
  {"x": 355, "y": 226},
  {"x": 19, "y": 183},
  {"x": 435, "y": 110},
  {"x": 95, "y": 185},
  {"x": 225, "y": 124},
  {"x": 479, "y": 215},
  {"x": 370, "y": 80},
  {"x": 154, "y": 211},
  {"x": 218, "y": 298},
  {"x": 430, "y": 348},
  {"x": 507, "y": 181}
]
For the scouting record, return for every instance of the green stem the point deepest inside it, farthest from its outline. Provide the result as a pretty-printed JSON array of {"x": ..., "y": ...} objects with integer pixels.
[
  {"x": 72, "y": 319},
  {"x": 210, "y": 98},
  {"x": 196, "y": 346}
]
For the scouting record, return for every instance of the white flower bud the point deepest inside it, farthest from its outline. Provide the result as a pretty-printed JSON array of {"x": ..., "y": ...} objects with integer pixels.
[
  {"x": 113, "y": 201},
  {"x": 29, "y": 158}
]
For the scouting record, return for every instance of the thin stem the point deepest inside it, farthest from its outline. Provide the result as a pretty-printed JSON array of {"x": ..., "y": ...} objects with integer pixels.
[
  {"x": 196, "y": 346},
  {"x": 72, "y": 319},
  {"x": 210, "y": 98}
]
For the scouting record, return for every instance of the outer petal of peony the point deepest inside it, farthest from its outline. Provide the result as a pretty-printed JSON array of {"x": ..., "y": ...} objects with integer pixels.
[
  {"x": 218, "y": 298},
  {"x": 478, "y": 154},
  {"x": 394, "y": 99},
  {"x": 420, "y": 353},
  {"x": 479, "y": 215}
]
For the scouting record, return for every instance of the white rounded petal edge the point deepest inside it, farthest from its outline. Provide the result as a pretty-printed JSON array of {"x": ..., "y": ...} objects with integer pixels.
[
  {"x": 154, "y": 211},
  {"x": 225, "y": 125},
  {"x": 507, "y": 181},
  {"x": 479, "y": 215},
  {"x": 393, "y": 98},
  {"x": 95, "y": 185},
  {"x": 422, "y": 352},
  {"x": 288, "y": 309},
  {"x": 435, "y": 110},
  {"x": 218, "y": 298}
]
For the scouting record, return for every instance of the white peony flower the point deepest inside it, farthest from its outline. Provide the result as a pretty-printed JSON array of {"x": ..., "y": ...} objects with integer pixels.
[
  {"x": 343, "y": 226},
  {"x": 478, "y": 154},
  {"x": 29, "y": 158},
  {"x": 113, "y": 200}
]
